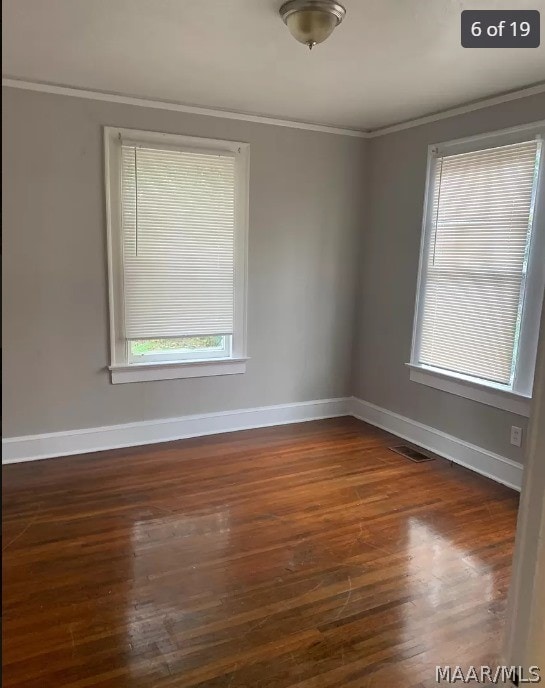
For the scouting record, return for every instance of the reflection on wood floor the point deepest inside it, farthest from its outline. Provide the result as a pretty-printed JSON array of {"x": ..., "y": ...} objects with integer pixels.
[{"x": 305, "y": 555}]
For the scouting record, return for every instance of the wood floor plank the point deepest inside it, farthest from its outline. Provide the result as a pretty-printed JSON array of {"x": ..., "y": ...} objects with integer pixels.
[{"x": 297, "y": 556}]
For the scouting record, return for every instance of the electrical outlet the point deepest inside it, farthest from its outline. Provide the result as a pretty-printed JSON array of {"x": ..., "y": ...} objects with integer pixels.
[{"x": 516, "y": 436}]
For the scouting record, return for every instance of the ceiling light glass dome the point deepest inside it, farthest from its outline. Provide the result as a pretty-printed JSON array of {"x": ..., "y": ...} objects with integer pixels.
[{"x": 312, "y": 21}]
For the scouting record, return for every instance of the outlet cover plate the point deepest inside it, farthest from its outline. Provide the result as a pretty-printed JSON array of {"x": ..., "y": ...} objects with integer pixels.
[{"x": 516, "y": 436}]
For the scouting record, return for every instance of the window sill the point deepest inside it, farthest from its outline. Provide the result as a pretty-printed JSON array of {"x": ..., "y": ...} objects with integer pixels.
[
  {"x": 488, "y": 394},
  {"x": 145, "y": 372}
]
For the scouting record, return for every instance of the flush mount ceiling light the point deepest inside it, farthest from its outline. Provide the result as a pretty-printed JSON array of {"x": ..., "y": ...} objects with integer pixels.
[{"x": 312, "y": 21}]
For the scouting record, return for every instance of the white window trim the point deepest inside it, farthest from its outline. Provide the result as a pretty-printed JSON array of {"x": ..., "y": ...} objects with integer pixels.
[
  {"x": 471, "y": 388},
  {"x": 145, "y": 372},
  {"x": 122, "y": 370},
  {"x": 518, "y": 399}
]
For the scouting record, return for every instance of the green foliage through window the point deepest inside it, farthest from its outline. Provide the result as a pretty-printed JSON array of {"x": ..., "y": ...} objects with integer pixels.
[{"x": 156, "y": 346}]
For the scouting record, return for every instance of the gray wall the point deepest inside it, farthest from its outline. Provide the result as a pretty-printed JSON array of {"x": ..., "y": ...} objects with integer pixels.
[
  {"x": 306, "y": 217},
  {"x": 389, "y": 266},
  {"x": 314, "y": 333}
]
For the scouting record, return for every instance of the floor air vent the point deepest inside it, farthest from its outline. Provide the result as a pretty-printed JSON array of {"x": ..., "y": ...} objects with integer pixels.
[{"x": 410, "y": 453}]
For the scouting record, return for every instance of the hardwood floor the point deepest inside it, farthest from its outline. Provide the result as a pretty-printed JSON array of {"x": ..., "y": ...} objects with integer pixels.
[{"x": 306, "y": 555}]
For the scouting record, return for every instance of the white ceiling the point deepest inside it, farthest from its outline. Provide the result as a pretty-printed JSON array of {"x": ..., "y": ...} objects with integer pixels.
[{"x": 390, "y": 60}]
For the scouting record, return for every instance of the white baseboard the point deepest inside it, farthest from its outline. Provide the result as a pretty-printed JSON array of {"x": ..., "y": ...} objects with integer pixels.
[
  {"x": 53, "y": 444},
  {"x": 482, "y": 461}
]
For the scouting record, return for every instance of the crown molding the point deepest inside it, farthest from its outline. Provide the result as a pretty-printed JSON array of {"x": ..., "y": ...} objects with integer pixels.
[
  {"x": 460, "y": 110},
  {"x": 43, "y": 87}
]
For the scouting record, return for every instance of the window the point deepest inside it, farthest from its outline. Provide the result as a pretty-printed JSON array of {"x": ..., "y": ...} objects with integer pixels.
[
  {"x": 177, "y": 233},
  {"x": 482, "y": 269}
]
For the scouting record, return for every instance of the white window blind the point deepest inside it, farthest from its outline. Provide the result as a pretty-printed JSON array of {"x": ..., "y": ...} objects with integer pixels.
[
  {"x": 178, "y": 242},
  {"x": 475, "y": 266}
]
